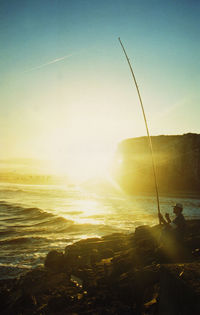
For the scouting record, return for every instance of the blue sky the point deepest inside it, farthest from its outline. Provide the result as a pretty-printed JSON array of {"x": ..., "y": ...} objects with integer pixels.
[{"x": 89, "y": 96}]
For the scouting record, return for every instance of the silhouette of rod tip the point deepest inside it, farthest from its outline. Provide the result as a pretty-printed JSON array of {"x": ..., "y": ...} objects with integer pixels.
[{"x": 147, "y": 129}]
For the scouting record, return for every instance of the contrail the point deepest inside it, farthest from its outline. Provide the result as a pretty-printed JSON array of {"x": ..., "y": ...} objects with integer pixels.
[{"x": 49, "y": 63}]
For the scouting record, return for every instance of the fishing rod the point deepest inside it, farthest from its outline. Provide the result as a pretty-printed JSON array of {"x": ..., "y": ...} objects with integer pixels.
[{"x": 147, "y": 129}]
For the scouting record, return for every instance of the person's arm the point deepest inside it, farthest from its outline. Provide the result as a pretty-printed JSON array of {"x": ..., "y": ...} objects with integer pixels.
[
  {"x": 162, "y": 220},
  {"x": 168, "y": 218}
]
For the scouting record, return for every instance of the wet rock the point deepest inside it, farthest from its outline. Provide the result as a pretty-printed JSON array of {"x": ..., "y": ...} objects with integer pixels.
[
  {"x": 116, "y": 242},
  {"x": 89, "y": 252},
  {"x": 55, "y": 261},
  {"x": 82, "y": 253}
]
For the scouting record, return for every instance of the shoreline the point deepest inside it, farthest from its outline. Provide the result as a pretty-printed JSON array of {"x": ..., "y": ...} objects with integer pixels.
[
  {"x": 114, "y": 274},
  {"x": 174, "y": 194}
]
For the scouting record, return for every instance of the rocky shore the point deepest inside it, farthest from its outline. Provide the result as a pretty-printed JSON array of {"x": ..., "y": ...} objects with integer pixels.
[{"x": 115, "y": 274}]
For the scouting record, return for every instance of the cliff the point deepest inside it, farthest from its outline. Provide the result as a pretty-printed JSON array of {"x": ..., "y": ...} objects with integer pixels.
[{"x": 177, "y": 160}]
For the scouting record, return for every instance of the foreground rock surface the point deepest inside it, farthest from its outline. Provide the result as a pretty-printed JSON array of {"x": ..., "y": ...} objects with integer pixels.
[{"x": 115, "y": 274}]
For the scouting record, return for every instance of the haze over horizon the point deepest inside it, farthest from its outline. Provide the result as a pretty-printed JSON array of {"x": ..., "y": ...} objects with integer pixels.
[{"x": 67, "y": 93}]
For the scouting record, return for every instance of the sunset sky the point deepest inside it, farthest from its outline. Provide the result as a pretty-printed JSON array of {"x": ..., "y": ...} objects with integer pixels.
[{"x": 66, "y": 92}]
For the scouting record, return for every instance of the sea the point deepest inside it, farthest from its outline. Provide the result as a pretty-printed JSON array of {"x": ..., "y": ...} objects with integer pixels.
[{"x": 35, "y": 219}]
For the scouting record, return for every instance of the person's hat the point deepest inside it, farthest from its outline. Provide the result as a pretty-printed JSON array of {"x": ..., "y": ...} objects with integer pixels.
[{"x": 178, "y": 205}]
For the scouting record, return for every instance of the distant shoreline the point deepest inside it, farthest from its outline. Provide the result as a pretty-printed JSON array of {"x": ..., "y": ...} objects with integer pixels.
[{"x": 48, "y": 180}]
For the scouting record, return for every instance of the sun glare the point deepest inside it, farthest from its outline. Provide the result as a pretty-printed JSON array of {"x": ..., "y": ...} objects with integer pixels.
[
  {"x": 80, "y": 151},
  {"x": 80, "y": 165}
]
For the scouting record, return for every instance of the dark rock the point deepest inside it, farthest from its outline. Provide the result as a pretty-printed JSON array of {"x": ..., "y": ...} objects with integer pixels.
[
  {"x": 117, "y": 274},
  {"x": 4, "y": 298},
  {"x": 179, "y": 289},
  {"x": 107, "y": 253},
  {"x": 55, "y": 261},
  {"x": 58, "y": 304},
  {"x": 89, "y": 252},
  {"x": 25, "y": 304}
]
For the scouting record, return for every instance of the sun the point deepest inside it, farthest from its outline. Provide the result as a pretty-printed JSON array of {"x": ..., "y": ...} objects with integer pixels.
[
  {"x": 80, "y": 159},
  {"x": 81, "y": 166}
]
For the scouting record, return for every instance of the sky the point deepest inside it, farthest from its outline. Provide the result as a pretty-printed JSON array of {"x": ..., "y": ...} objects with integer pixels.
[{"x": 66, "y": 92}]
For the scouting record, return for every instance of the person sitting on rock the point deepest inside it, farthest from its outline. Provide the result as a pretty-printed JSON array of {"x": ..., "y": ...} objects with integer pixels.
[
  {"x": 178, "y": 224},
  {"x": 172, "y": 234}
]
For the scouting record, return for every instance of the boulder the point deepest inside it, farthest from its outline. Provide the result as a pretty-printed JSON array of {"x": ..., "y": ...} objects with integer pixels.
[
  {"x": 179, "y": 289},
  {"x": 55, "y": 261}
]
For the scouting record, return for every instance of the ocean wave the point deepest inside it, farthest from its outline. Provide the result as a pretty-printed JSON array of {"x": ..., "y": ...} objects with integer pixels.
[
  {"x": 11, "y": 190},
  {"x": 89, "y": 228},
  {"x": 23, "y": 240},
  {"x": 33, "y": 213},
  {"x": 6, "y": 232},
  {"x": 30, "y": 227},
  {"x": 74, "y": 212}
]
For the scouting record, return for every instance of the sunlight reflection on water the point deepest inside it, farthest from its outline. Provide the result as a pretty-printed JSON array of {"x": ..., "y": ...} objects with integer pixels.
[{"x": 37, "y": 219}]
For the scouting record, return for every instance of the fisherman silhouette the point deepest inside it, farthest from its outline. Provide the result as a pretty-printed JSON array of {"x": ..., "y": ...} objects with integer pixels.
[
  {"x": 172, "y": 233},
  {"x": 178, "y": 224}
]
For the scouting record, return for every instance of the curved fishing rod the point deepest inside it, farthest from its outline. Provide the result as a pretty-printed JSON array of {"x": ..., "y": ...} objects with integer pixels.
[{"x": 147, "y": 129}]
